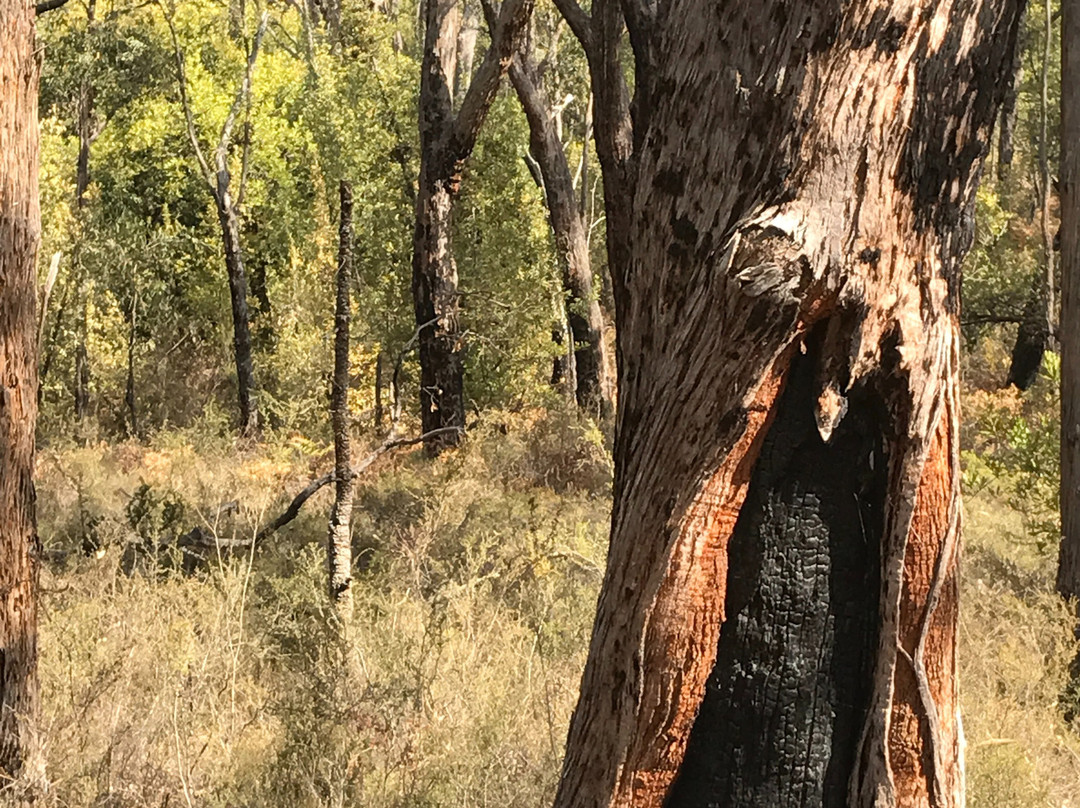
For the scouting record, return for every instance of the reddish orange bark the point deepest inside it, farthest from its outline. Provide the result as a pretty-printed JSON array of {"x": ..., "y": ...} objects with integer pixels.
[{"x": 930, "y": 566}]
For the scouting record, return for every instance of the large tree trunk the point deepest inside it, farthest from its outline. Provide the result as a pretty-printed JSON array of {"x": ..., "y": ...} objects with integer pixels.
[
  {"x": 777, "y": 624},
  {"x": 1068, "y": 576},
  {"x": 446, "y": 141},
  {"x": 20, "y": 226},
  {"x": 339, "y": 544},
  {"x": 234, "y": 268},
  {"x": 592, "y": 379},
  {"x": 435, "y": 298}
]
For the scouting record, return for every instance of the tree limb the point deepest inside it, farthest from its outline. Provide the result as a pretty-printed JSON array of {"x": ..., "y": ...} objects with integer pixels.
[
  {"x": 189, "y": 118},
  {"x": 196, "y": 536},
  {"x": 579, "y": 21},
  {"x": 513, "y": 17},
  {"x": 242, "y": 94},
  {"x": 48, "y": 5}
]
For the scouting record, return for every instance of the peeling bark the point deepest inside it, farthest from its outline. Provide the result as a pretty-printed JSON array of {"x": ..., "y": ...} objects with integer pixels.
[
  {"x": 801, "y": 181},
  {"x": 20, "y": 233}
]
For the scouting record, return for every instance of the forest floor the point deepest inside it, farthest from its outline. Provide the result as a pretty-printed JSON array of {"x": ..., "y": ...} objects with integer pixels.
[{"x": 452, "y": 684}]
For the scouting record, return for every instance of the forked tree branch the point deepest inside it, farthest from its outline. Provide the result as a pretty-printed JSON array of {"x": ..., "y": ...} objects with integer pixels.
[
  {"x": 242, "y": 94},
  {"x": 505, "y": 37}
]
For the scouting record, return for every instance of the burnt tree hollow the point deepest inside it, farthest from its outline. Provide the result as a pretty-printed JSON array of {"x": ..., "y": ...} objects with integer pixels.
[{"x": 784, "y": 706}]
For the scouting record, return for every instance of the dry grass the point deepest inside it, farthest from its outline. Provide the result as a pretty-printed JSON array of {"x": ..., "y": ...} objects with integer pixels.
[
  {"x": 453, "y": 683},
  {"x": 1016, "y": 644}
]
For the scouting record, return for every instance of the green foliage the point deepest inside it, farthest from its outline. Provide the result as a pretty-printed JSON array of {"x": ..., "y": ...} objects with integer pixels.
[
  {"x": 1014, "y": 444},
  {"x": 147, "y": 246}
]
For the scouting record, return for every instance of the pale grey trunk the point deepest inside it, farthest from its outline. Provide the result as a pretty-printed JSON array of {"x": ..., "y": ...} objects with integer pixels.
[{"x": 339, "y": 542}]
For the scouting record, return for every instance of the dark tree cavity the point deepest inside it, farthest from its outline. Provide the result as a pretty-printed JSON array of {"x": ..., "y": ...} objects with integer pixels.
[{"x": 787, "y": 697}]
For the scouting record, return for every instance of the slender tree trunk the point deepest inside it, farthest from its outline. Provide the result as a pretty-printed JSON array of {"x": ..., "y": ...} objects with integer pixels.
[
  {"x": 446, "y": 141},
  {"x": 593, "y": 384},
  {"x": 234, "y": 268},
  {"x": 84, "y": 125},
  {"x": 583, "y": 204},
  {"x": 1009, "y": 109},
  {"x": 339, "y": 545},
  {"x": 129, "y": 390},
  {"x": 20, "y": 229},
  {"x": 220, "y": 184},
  {"x": 1036, "y": 333},
  {"x": 777, "y": 623},
  {"x": 379, "y": 384},
  {"x": 1068, "y": 576}
]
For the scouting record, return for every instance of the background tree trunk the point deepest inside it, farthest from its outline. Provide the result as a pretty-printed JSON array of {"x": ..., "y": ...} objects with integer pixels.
[
  {"x": 20, "y": 229},
  {"x": 593, "y": 384},
  {"x": 1068, "y": 576},
  {"x": 446, "y": 141},
  {"x": 1009, "y": 110},
  {"x": 1036, "y": 333},
  {"x": 241, "y": 320},
  {"x": 787, "y": 276},
  {"x": 132, "y": 415},
  {"x": 85, "y": 128},
  {"x": 220, "y": 184},
  {"x": 339, "y": 545}
]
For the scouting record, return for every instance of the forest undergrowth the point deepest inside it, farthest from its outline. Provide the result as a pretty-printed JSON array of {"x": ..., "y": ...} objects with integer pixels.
[{"x": 222, "y": 678}]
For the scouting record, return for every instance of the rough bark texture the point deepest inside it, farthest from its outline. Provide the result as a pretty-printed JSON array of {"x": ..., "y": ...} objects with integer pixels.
[
  {"x": 1068, "y": 577},
  {"x": 339, "y": 543},
  {"x": 132, "y": 415},
  {"x": 593, "y": 388},
  {"x": 447, "y": 138},
  {"x": 801, "y": 182},
  {"x": 803, "y": 586},
  {"x": 20, "y": 228}
]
